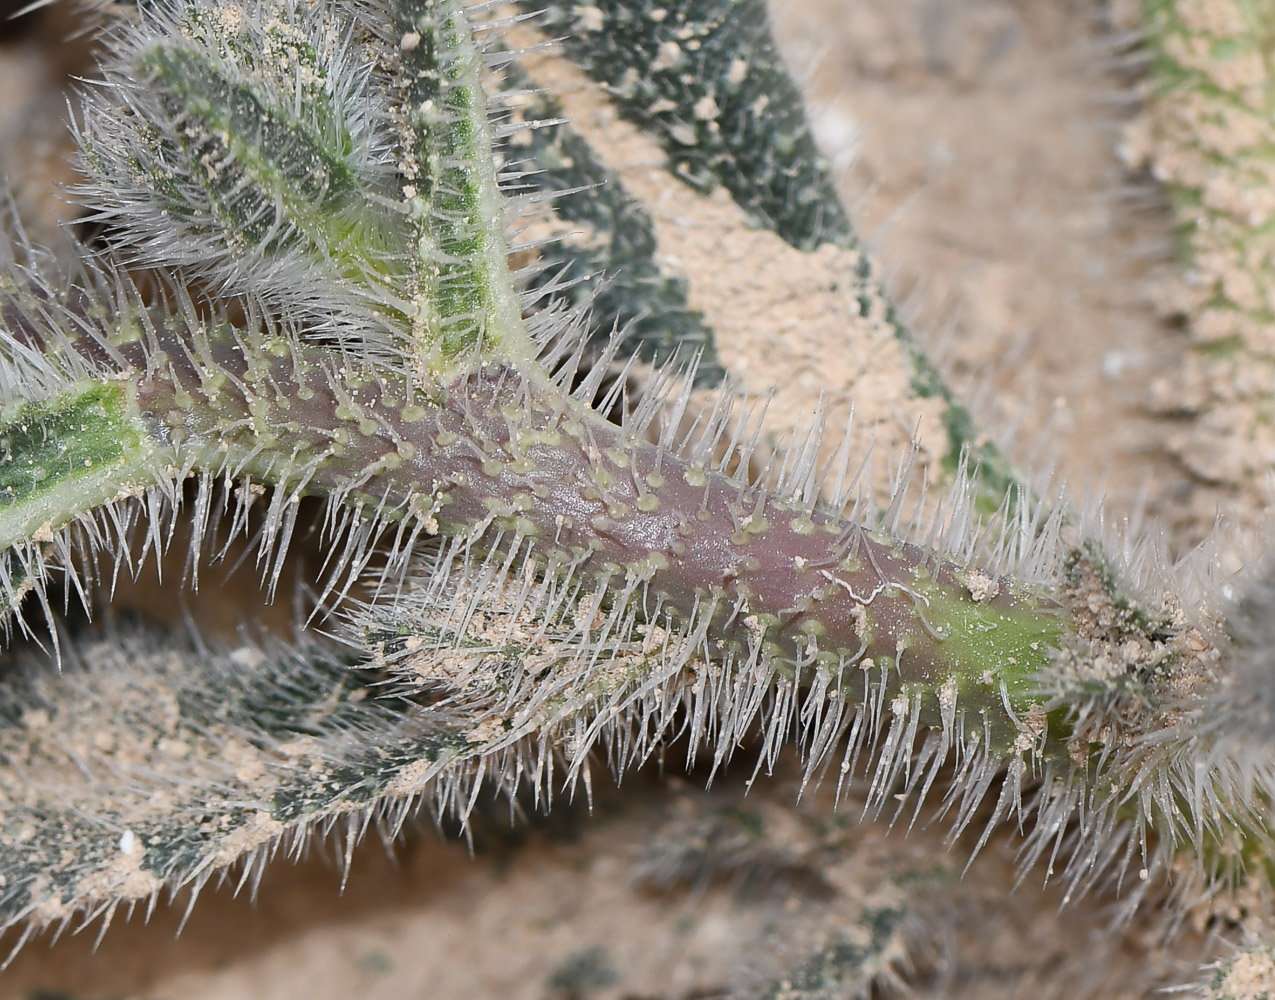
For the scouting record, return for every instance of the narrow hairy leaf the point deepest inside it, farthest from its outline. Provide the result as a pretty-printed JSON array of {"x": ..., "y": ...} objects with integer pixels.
[
  {"x": 704, "y": 80},
  {"x": 462, "y": 302},
  {"x": 1206, "y": 134},
  {"x": 604, "y": 251}
]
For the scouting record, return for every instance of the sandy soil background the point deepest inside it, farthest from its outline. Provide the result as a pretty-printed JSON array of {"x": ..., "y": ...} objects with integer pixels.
[{"x": 976, "y": 140}]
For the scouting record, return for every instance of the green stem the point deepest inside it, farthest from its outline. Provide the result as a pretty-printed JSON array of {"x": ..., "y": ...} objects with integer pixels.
[
  {"x": 64, "y": 457},
  {"x": 463, "y": 304}
]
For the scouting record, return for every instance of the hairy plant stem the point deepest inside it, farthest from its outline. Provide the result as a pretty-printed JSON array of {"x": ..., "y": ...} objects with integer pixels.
[{"x": 507, "y": 454}]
